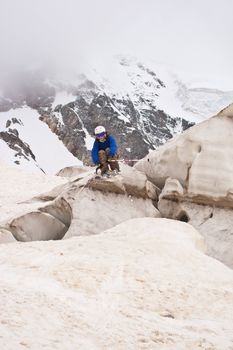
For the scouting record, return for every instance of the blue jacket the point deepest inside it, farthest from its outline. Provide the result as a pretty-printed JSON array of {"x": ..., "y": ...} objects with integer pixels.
[{"x": 109, "y": 143}]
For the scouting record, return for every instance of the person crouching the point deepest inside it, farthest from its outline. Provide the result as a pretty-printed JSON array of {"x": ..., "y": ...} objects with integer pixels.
[{"x": 104, "y": 151}]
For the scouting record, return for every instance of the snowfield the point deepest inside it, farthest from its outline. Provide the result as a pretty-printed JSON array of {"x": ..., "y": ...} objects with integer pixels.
[
  {"x": 51, "y": 154},
  {"x": 18, "y": 185},
  {"x": 143, "y": 284}
]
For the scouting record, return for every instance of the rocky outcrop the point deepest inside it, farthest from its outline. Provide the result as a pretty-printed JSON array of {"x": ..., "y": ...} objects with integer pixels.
[
  {"x": 140, "y": 131},
  {"x": 12, "y": 139}
]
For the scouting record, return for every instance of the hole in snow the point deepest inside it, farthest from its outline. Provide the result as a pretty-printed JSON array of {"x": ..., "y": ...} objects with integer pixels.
[{"x": 183, "y": 217}]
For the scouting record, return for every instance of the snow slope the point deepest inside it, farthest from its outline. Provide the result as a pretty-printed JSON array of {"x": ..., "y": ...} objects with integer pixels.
[
  {"x": 51, "y": 154},
  {"x": 182, "y": 95},
  {"x": 18, "y": 185}
]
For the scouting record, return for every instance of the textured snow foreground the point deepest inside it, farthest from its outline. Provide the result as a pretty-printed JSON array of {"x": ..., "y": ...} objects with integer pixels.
[
  {"x": 144, "y": 284},
  {"x": 18, "y": 185}
]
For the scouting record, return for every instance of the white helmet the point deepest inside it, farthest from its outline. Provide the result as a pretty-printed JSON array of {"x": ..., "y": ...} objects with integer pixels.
[{"x": 99, "y": 130}]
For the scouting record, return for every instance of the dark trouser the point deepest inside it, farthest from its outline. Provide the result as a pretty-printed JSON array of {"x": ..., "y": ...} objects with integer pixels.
[{"x": 106, "y": 161}]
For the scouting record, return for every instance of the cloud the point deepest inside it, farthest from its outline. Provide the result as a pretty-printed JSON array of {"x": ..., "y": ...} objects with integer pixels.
[{"x": 61, "y": 34}]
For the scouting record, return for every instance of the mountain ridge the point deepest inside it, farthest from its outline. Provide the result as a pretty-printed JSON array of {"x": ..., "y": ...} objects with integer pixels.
[{"x": 141, "y": 108}]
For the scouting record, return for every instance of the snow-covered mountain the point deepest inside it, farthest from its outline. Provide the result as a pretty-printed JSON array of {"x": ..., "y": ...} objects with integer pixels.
[
  {"x": 28, "y": 142},
  {"x": 143, "y": 104}
]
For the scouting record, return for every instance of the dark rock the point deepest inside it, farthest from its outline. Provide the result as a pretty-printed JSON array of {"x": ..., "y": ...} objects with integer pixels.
[{"x": 21, "y": 149}]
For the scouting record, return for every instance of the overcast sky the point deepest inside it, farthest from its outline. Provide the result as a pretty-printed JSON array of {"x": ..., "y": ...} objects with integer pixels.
[{"x": 194, "y": 35}]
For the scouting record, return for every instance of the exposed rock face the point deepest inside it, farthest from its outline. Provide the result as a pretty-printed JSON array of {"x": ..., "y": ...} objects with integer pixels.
[
  {"x": 196, "y": 169},
  {"x": 135, "y": 120},
  {"x": 143, "y": 130},
  {"x": 11, "y": 137}
]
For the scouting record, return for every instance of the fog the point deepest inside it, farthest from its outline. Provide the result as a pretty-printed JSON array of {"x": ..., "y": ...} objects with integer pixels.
[{"x": 62, "y": 35}]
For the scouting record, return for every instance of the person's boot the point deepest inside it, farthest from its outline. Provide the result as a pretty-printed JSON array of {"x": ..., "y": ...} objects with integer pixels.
[
  {"x": 104, "y": 169},
  {"x": 103, "y": 162}
]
